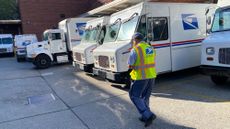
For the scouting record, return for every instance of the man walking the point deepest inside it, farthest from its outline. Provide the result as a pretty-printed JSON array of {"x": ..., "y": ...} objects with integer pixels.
[{"x": 143, "y": 74}]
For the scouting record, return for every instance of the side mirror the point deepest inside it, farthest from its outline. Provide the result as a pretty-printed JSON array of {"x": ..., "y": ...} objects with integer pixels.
[
  {"x": 102, "y": 35},
  {"x": 221, "y": 22},
  {"x": 208, "y": 31},
  {"x": 209, "y": 20},
  {"x": 112, "y": 34}
]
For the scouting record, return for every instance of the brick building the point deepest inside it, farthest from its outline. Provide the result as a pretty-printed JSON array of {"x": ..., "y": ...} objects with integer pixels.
[{"x": 38, "y": 15}]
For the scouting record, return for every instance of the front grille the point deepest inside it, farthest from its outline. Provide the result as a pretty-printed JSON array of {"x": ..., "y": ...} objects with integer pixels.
[
  {"x": 224, "y": 56},
  {"x": 22, "y": 51},
  {"x": 103, "y": 61},
  {"x": 2, "y": 50},
  {"x": 78, "y": 56}
]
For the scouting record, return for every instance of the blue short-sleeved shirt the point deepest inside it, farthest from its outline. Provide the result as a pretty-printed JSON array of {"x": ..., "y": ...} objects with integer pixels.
[{"x": 132, "y": 57}]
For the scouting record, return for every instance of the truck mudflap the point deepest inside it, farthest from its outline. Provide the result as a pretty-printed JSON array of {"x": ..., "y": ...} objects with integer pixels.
[
  {"x": 84, "y": 67},
  {"x": 215, "y": 70},
  {"x": 121, "y": 77}
]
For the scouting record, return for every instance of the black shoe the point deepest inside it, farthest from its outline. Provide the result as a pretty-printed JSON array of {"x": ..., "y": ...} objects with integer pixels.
[
  {"x": 141, "y": 119},
  {"x": 149, "y": 121}
]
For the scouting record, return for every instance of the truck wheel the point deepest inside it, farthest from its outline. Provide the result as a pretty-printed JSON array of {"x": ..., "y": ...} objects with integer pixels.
[
  {"x": 42, "y": 61},
  {"x": 219, "y": 80}
]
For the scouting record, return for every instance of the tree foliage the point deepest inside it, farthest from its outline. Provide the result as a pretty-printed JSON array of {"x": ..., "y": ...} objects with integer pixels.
[{"x": 9, "y": 10}]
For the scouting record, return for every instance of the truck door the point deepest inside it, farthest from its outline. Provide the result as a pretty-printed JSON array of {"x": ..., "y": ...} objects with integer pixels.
[
  {"x": 158, "y": 32},
  {"x": 57, "y": 43}
]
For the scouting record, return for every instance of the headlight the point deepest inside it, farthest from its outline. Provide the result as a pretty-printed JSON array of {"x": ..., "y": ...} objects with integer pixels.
[{"x": 210, "y": 51}]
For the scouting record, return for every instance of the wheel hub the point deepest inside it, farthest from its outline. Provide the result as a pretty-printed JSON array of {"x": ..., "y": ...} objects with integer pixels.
[{"x": 43, "y": 61}]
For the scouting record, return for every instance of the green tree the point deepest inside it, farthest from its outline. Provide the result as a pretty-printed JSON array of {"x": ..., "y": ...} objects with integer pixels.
[{"x": 9, "y": 10}]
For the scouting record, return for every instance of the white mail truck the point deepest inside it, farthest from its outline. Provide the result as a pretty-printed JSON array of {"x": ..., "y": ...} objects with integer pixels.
[
  {"x": 215, "y": 59},
  {"x": 93, "y": 37},
  {"x": 57, "y": 44},
  {"x": 20, "y": 43},
  {"x": 6, "y": 44},
  {"x": 175, "y": 30}
]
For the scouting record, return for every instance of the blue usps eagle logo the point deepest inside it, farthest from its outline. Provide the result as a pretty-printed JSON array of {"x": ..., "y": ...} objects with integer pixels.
[
  {"x": 80, "y": 28},
  {"x": 149, "y": 50},
  {"x": 190, "y": 22}
]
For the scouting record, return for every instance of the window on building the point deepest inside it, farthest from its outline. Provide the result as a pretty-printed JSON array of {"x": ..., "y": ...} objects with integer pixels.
[{"x": 158, "y": 28}]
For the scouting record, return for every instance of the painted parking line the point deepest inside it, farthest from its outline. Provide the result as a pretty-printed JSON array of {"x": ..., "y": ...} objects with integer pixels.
[{"x": 47, "y": 74}]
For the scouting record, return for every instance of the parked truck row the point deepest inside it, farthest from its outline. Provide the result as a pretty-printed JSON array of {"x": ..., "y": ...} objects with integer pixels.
[{"x": 178, "y": 32}]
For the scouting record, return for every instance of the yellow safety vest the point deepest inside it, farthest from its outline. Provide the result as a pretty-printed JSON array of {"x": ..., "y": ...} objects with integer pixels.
[{"x": 144, "y": 67}]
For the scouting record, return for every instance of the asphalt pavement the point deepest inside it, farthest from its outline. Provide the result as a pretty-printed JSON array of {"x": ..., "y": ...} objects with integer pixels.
[{"x": 63, "y": 98}]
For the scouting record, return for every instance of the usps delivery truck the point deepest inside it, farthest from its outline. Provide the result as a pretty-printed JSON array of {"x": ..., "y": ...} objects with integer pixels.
[
  {"x": 57, "y": 44},
  {"x": 215, "y": 60},
  {"x": 20, "y": 43},
  {"x": 93, "y": 37},
  {"x": 175, "y": 30},
  {"x": 6, "y": 44}
]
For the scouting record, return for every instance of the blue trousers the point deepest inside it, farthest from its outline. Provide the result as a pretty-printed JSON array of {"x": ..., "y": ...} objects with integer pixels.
[{"x": 140, "y": 93}]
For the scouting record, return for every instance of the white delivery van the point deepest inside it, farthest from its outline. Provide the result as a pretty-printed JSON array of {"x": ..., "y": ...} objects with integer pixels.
[
  {"x": 58, "y": 43},
  {"x": 93, "y": 37},
  {"x": 20, "y": 42},
  {"x": 6, "y": 44},
  {"x": 215, "y": 59},
  {"x": 175, "y": 30}
]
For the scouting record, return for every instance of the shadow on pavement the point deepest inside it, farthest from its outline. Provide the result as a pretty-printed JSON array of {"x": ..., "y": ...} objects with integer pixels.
[{"x": 115, "y": 112}]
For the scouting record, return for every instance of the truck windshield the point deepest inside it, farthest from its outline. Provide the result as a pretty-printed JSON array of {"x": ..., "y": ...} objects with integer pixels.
[
  {"x": 127, "y": 29},
  {"x": 111, "y": 32},
  {"x": 6, "y": 41},
  {"x": 221, "y": 21},
  {"x": 91, "y": 35}
]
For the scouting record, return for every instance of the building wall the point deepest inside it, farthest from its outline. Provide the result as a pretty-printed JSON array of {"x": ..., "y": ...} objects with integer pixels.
[{"x": 38, "y": 15}]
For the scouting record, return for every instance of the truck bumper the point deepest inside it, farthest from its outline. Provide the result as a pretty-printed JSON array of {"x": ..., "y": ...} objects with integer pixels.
[
  {"x": 121, "y": 77},
  {"x": 21, "y": 56},
  {"x": 84, "y": 67},
  {"x": 215, "y": 70}
]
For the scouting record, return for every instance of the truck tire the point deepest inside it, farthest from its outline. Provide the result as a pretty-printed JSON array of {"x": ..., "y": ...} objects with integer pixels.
[
  {"x": 42, "y": 61},
  {"x": 219, "y": 80}
]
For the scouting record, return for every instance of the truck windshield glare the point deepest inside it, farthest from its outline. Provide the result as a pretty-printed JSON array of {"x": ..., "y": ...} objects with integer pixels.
[
  {"x": 111, "y": 33},
  {"x": 127, "y": 29},
  {"x": 45, "y": 36},
  {"x": 91, "y": 35},
  {"x": 6, "y": 41},
  {"x": 221, "y": 20}
]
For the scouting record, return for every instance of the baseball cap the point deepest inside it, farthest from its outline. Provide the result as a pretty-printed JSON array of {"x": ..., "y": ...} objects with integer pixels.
[{"x": 138, "y": 35}]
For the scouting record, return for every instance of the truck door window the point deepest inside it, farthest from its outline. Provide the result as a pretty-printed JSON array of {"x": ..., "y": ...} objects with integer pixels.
[
  {"x": 56, "y": 36},
  {"x": 158, "y": 28}
]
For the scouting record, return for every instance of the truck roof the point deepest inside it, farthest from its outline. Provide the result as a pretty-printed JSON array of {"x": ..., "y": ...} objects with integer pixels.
[
  {"x": 223, "y": 3},
  {"x": 112, "y": 7}
]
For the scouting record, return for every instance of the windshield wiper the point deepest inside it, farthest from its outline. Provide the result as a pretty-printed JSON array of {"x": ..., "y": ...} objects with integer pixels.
[{"x": 133, "y": 16}]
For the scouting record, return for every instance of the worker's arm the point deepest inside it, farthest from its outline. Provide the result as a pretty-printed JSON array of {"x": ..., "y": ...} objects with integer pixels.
[{"x": 132, "y": 57}]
